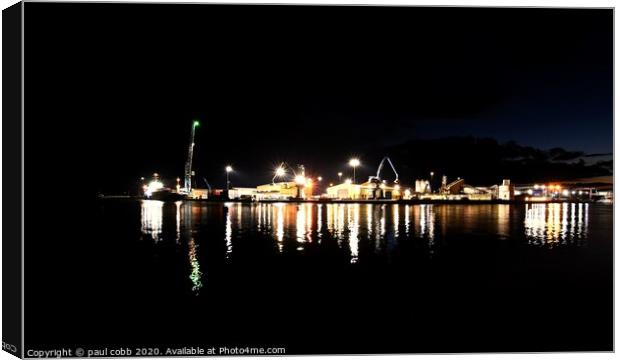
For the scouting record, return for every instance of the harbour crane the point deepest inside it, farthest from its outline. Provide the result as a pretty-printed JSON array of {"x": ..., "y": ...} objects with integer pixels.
[
  {"x": 188, "y": 164},
  {"x": 376, "y": 178}
]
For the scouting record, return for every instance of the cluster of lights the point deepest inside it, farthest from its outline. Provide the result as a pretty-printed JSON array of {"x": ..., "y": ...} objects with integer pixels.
[
  {"x": 300, "y": 180},
  {"x": 554, "y": 189},
  {"x": 152, "y": 187}
]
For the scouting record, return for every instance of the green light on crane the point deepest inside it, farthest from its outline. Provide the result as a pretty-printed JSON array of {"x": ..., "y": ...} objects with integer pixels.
[{"x": 196, "y": 123}]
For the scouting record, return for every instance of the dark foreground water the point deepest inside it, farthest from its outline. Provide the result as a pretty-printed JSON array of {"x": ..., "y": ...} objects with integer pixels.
[{"x": 330, "y": 278}]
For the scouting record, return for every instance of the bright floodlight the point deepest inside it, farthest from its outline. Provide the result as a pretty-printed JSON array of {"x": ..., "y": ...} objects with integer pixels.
[
  {"x": 229, "y": 168},
  {"x": 354, "y": 162},
  {"x": 320, "y": 178},
  {"x": 280, "y": 171},
  {"x": 153, "y": 187},
  {"x": 300, "y": 180}
]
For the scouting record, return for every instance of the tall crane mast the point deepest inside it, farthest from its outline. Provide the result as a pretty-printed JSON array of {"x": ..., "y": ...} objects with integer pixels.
[{"x": 190, "y": 155}]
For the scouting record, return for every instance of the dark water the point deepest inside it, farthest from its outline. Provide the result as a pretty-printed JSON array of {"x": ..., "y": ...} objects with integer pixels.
[{"x": 330, "y": 278}]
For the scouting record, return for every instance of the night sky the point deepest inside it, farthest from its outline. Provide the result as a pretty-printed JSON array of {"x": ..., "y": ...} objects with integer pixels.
[{"x": 111, "y": 90}]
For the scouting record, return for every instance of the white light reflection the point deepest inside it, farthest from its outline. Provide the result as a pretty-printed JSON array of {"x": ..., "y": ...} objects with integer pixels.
[
  {"x": 427, "y": 224},
  {"x": 228, "y": 232},
  {"x": 151, "y": 213},
  {"x": 369, "y": 224},
  {"x": 319, "y": 222},
  {"x": 340, "y": 223},
  {"x": 279, "y": 208},
  {"x": 555, "y": 224},
  {"x": 300, "y": 223},
  {"x": 178, "y": 220},
  {"x": 309, "y": 224},
  {"x": 407, "y": 224},
  {"x": 354, "y": 225},
  {"x": 396, "y": 218}
]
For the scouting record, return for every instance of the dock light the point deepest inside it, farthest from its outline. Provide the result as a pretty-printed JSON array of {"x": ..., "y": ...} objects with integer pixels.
[
  {"x": 339, "y": 177},
  {"x": 530, "y": 192},
  {"x": 543, "y": 186},
  {"x": 397, "y": 187},
  {"x": 564, "y": 192},
  {"x": 407, "y": 193},
  {"x": 536, "y": 186},
  {"x": 320, "y": 178},
  {"x": 152, "y": 187},
  {"x": 348, "y": 181},
  {"x": 300, "y": 180},
  {"x": 580, "y": 192},
  {"x": 229, "y": 168},
  {"x": 280, "y": 172},
  {"x": 354, "y": 163},
  {"x": 331, "y": 184},
  {"x": 573, "y": 192}
]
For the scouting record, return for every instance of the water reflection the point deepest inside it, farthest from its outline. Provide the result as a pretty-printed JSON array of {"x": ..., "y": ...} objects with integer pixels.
[
  {"x": 151, "y": 214},
  {"x": 357, "y": 232},
  {"x": 178, "y": 221},
  {"x": 556, "y": 224},
  {"x": 353, "y": 215},
  {"x": 195, "y": 275},
  {"x": 228, "y": 232}
]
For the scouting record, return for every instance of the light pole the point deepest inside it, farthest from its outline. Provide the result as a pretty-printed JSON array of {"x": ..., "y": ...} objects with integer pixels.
[
  {"x": 354, "y": 163},
  {"x": 229, "y": 169},
  {"x": 430, "y": 185},
  {"x": 340, "y": 178}
]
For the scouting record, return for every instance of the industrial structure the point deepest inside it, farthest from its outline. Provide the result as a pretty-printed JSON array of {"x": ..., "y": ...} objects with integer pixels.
[
  {"x": 295, "y": 185},
  {"x": 188, "y": 163}
]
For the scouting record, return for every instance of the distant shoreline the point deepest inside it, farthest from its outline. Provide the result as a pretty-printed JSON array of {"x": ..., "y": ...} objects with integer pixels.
[{"x": 384, "y": 201}]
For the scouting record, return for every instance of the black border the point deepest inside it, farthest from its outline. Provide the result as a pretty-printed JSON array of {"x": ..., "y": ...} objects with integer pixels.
[{"x": 12, "y": 187}]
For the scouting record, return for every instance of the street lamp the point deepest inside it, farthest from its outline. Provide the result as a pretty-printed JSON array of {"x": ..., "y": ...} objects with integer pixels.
[
  {"x": 339, "y": 177},
  {"x": 229, "y": 169},
  {"x": 354, "y": 163}
]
